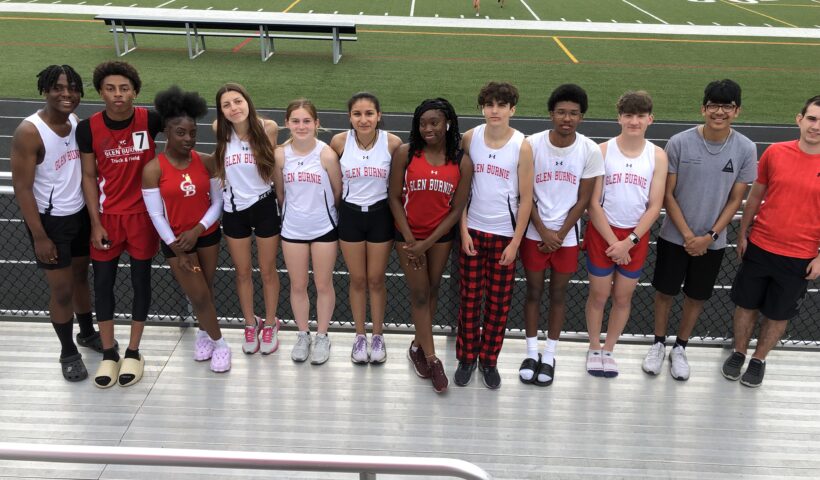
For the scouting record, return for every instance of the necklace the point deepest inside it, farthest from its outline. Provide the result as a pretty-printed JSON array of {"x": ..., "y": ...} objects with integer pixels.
[
  {"x": 369, "y": 144},
  {"x": 706, "y": 145}
]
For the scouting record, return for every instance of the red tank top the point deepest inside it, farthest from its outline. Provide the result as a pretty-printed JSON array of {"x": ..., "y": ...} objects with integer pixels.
[
  {"x": 121, "y": 156},
  {"x": 186, "y": 193},
  {"x": 428, "y": 193}
]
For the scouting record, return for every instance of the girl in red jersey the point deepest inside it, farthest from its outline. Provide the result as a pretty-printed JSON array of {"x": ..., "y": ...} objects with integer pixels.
[
  {"x": 430, "y": 180},
  {"x": 244, "y": 162},
  {"x": 184, "y": 202},
  {"x": 365, "y": 223}
]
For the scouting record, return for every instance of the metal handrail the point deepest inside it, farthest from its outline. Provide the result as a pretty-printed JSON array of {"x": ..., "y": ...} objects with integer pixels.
[{"x": 366, "y": 466}]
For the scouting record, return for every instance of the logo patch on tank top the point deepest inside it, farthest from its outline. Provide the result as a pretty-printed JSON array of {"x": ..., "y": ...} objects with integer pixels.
[
  {"x": 729, "y": 168},
  {"x": 187, "y": 185}
]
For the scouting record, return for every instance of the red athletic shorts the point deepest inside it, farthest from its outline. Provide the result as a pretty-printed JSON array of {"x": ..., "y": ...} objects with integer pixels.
[
  {"x": 600, "y": 265},
  {"x": 563, "y": 260},
  {"x": 133, "y": 233}
]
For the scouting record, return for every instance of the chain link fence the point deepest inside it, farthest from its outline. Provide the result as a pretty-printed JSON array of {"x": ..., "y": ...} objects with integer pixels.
[{"x": 26, "y": 293}]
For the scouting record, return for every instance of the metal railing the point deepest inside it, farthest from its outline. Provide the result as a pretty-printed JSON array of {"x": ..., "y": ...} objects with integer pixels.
[{"x": 366, "y": 466}]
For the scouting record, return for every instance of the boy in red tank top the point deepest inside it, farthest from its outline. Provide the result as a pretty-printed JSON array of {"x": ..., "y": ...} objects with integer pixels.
[{"x": 115, "y": 145}]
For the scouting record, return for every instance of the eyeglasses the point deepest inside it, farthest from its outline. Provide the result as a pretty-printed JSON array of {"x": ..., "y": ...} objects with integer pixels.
[
  {"x": 567, "y": 113},
  {"x": 714, "y": 107}
]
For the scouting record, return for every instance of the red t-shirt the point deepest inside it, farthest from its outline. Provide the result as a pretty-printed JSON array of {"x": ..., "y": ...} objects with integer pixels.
[
  {"x": 788, "y": 222},
  {"x": 121, "y": 156},
  {"x": 186, "y": 194},
  {"x": 428, "y": 194}
]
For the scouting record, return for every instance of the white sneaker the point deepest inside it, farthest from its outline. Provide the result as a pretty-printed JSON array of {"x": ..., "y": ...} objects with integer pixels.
[
  {"x": 654, "y": 358},
  {"x": 321, "y": 349},
  {"x": 678, "y": 364},
  {"x": 301, "y": 349},
  {"x": 359, "y": 353},
  {"x": 378, "y": 350},
  {"x": 251, "y": 344}
]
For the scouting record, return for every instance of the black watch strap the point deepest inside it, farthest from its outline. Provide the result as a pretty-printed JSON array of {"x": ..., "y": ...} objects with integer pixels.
[{"x": 713, "y": 234}]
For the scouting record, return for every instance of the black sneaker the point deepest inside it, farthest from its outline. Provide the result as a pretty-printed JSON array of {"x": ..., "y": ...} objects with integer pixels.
[
  {"x": 732, "y": 365},
  {"x": 464, "y": 373},
  {"x": 753, "y": 376},
  {"x": 492, "y": 379}
]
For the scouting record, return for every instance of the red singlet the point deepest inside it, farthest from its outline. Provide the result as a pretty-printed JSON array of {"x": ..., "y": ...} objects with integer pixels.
[
  {"x": 428, "y": 194},
  {"x": 186, "y": 193}
]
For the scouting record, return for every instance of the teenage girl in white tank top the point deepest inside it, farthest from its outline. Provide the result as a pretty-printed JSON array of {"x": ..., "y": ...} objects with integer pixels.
[
  {"x": 635, "y": 170},
  {"x": 366, "y": 152},
  {"x": 244, "y": 187},
  {"x": 307, "y": 167}
]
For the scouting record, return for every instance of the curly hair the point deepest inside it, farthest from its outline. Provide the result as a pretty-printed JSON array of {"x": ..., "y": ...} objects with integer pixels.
[
  {"x": 47, "y": 78},
  {"x": 257, "y": 138},
  {"x": 568, "y": 92},
  {"x": 453, "y": 151},
  {"x": 174, "y": 103},
  {"x": 124, "y": 69},
  {"x": 636, "y": 102}
]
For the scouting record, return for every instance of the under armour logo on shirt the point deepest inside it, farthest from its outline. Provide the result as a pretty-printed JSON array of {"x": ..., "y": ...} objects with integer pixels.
[
  {"x": 365, "y": 157},
  {"x": 729, "y": 168},
  {"x": 245, "y": 148},
  {"x": 492, "y": 155},
  {"x": 67, "y": 142},
  {"x": 434, "y": 172},
  {"x": 559, "y": 163},
  {"x": 300, "y": 163},
  {"x": 628, "y": 165}
]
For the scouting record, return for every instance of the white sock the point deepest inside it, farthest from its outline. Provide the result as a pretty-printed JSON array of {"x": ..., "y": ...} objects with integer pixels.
[
  {"x": 221, "y": 343},
  {"x": 549, "y": 351},
  {"x": 532, "y": 347},
  {"x": 201, "y": 334}
]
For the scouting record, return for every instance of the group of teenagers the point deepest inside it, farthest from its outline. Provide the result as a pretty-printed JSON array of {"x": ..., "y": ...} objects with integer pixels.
[{"x": 97, "y": 187}]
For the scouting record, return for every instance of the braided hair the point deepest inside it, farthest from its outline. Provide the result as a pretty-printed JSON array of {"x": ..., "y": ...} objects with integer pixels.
[
  {"x": 453, "y": 151},
  {"x": 47, "y": 78},
  {"x": 174, "y": 103}
]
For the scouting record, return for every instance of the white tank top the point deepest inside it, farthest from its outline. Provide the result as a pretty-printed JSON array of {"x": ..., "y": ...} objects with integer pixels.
[
  {"x": 243, "y": 185},
  {"x": 365, "y": 172},
  {"x": 58, "y": 179},
  {"x": 309, "y": 211},
  {"x": 494, "y": 194},
  {"x": 557, "y": 178},
  {"x": 626, "y": 184}
]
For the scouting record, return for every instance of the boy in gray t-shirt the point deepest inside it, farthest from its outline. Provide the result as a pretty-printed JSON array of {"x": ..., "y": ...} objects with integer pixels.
[{"x": 710, "y": 167}]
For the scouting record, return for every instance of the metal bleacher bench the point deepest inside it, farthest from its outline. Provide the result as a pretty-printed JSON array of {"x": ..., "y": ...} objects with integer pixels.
[{"x": 197, "y": 27}]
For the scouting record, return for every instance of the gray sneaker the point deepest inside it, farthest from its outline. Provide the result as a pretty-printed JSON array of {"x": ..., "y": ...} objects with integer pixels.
[
  {"x": 654, "y": 358},
  {"x": 321, "y": 349},
  {"x": 733, "y": 365},
  {"x": 678, "y": 364},
  {"x": 301, "y": 350}
]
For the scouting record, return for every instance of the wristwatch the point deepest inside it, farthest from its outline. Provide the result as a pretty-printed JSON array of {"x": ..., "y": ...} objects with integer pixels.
[
  {"x": 713, "y": 234},
  {"x": 634, "y": 238}
]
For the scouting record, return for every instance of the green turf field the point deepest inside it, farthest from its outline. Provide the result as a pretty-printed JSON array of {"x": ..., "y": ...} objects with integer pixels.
[{"x": 403, "y": 65}]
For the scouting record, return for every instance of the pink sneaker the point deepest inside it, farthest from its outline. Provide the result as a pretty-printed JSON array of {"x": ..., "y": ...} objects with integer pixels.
[
  {"x": 251, "y": 344},
  {"x": 221, "y": 359},
  {"x": 203, "y": 348},
  {"x": 270, "y": 338}
]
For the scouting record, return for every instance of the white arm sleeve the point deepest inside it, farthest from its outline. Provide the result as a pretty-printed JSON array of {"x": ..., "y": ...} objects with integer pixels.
[
  {"x": 215, "y": 210},
  {"x": 156, "y": 210}
]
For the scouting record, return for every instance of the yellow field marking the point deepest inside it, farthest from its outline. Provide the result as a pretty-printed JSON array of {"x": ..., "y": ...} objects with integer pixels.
[
  {"x": 50, "y": 19},
  {"x": 581, "y": 37},
  {"x": 565, "y": 49},
  {"x": 291, "y": 6},
  {"x": 758, "y": 13}
]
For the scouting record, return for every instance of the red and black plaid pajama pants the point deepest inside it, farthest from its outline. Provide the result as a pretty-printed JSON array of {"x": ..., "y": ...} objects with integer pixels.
[{"x": 483, "y": 278}]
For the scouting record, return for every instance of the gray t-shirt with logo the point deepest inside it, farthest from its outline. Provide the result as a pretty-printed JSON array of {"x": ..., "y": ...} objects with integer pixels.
[{"x": 706, "y": 174}]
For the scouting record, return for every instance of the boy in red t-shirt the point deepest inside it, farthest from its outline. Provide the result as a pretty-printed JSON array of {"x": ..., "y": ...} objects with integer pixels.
[{"x": 780, "y": 255}]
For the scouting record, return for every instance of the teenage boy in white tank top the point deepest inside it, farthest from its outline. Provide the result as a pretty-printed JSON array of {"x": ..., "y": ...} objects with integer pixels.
[
  {"x": 625, "y": 204},
  {"x": 492, "y": 227},
  {"x": 566, "y": 165},
  {"x": 47, "y": 179}
]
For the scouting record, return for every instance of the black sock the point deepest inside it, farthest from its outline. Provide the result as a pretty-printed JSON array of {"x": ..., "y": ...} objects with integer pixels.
[
  {"x": 660, "y": 339},
  {"x": 64, "y": 333},
  {"x": 135, "y": 354},
  {"x": 111, "y": 354},
  {"x": 86, "y": 323},
  {"x": 680, "y": 342}
]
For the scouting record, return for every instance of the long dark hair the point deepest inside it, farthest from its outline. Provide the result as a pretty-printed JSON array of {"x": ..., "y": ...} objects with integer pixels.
[
  {"x": 453, "y": 151},
  {"x": 259, "y": 143}
]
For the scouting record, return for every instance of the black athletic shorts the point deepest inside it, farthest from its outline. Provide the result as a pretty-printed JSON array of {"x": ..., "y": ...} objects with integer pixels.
[
  {"x": 774, "y": 284},
  {"x": 262, "y": 219},
  {"x": 447, "y": 237},
  {"x": 330, "y": 236},
  {"x": 372, "y": 224},
  {"x": 208, "y": 240},
  {"x": 71, "y": 235},
  {"x": 674, "y": 267}
]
